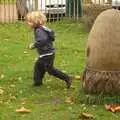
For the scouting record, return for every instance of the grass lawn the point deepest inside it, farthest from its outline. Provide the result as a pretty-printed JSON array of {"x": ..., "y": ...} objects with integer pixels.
[
  {"x": 7, "y": 1},
  {"x": 48, "y": 101}
]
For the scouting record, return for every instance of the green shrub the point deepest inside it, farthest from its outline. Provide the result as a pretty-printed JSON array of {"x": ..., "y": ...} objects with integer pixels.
[{"x": 90, "y": 12}]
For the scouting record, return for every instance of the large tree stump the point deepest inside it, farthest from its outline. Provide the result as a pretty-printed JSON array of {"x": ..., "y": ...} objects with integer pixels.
[
  {"x": 102, "y": 72},
  {"x": 22, "y": 10}
]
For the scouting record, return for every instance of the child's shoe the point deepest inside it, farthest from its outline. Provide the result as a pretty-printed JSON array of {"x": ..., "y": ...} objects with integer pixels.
[
  {"x": 68, "y": 83},
  {"x": 37, "y": 84}
]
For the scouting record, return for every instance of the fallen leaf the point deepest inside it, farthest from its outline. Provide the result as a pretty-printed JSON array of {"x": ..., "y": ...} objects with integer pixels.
[
  {"x": 64, "y": 71},
  {"x": 84, "y": 108},
  {"x": 1, "y": 91},
  {"x": 94, "y": 106},
  {"x": 1, "y": 102},
  {"x": 49, "y": 80},
  {"x": 48, "y": 87},
  {"x": 12, "y": 85},
  {"x": 69, "y": 100},
  {"x": 113, "y": 107},
  {"x": 20, "y": 78},
  {"x": 117, "y": 108},
  {"x": 86, "y": 115},
  {"x": 23, "y": 103},
  {"x": 25, "y": 52},
  {"x": 107, "y": 107},
  {"x": 83, "y": 105},
  {"x": 77, "y": 77},
  {"x": 6, "y": 39},
  {"x": 23, "y": 110},
  {"x": 2, "y": 76},
  {"x": 36, "y": 59},
  {"x": 21, "y": 92},
  {"x": 70, "y": 108},
  {"x": 13, "y": 98}
]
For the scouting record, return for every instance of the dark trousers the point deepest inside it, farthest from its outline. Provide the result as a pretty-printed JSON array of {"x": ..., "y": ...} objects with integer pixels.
[{"x": 45, "y": 64}]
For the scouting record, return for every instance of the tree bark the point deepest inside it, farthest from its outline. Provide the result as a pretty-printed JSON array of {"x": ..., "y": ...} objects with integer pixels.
[
  {"x": 101, "y": 81},
  {"x": 22, "y": 9},
  {"x": 102, "y": 73}
]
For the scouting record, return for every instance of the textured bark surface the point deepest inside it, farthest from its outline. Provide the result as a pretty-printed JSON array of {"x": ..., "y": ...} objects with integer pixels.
[
  {"x": 103, "y": 54},
  {"x": 21, "y": 7},
  {"x": 101, "y": 81},
  {"x": 103, "y": 43}
]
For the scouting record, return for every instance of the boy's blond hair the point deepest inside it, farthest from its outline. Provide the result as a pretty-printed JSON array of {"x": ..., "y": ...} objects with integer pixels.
[{"x": 36, "y": 18}]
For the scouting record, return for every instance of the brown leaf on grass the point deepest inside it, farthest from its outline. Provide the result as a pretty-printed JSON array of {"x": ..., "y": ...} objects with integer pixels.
[
  {"x": 23, "y": 103},
  {"x": 2, "y": 76},
  {"x": 77, "y": 77},
  {"x": 20, "y": 78},
  {"x": 12, "y": 97},
  {"x": 86, "y": 115},
  {"x": 1, "y": 102},
  {"x": 69, "y": 100},
  {"x": 12, "y": 85},
  {"x": 25, "y": 52},
  {"x": 1, "y": 91},
  {"x": 113, "y": 107},
  {"x": 23, "y": 110}
]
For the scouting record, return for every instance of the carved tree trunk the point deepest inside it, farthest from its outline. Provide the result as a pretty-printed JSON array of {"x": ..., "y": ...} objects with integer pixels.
[
  {"x": 102, "y": 72},
  {"x": 22, "y": 9}
]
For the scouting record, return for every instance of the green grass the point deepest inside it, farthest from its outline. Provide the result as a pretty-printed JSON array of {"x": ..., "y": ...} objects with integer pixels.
[
  {"x": 48, "y": 101},
  {"x": 7, "y": 1}
]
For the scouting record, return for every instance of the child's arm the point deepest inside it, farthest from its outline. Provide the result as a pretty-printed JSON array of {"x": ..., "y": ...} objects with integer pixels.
[
  {"x": 41, "y": 38},
  {"x": 52, "y": 35}
]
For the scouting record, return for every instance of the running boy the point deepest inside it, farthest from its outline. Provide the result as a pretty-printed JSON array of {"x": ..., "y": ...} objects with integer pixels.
[{"x": 44, "y": 38}]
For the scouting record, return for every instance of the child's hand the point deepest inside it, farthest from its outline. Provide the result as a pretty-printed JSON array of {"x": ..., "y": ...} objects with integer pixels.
[{"x": 31, "y": 46}]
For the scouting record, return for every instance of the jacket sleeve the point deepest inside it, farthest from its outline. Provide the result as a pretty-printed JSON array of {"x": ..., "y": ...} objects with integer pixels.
[
  {"x": 52, "y": 35},
  {"x": 41, "y": 38}
]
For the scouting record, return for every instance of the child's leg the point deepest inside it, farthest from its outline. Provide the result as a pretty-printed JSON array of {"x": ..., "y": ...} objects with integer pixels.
[
  {"x": 57, "y": 73},
  {"x": 48, "y": 64},
  {"x": 39, "y": 72}
]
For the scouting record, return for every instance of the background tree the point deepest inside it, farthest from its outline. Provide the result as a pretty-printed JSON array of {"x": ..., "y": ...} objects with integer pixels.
[{"x": 22, "y": 9}]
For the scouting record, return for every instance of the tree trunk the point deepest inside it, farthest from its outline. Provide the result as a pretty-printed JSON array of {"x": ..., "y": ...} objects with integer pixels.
[
  {"x": 102, "y": 73},
  {"x": 22, "y": 9},
  {"x": 101, "y": 81}
]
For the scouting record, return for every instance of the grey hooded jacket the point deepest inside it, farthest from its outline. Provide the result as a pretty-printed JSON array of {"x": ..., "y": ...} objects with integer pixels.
[{"x": 44, "y": 38}]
